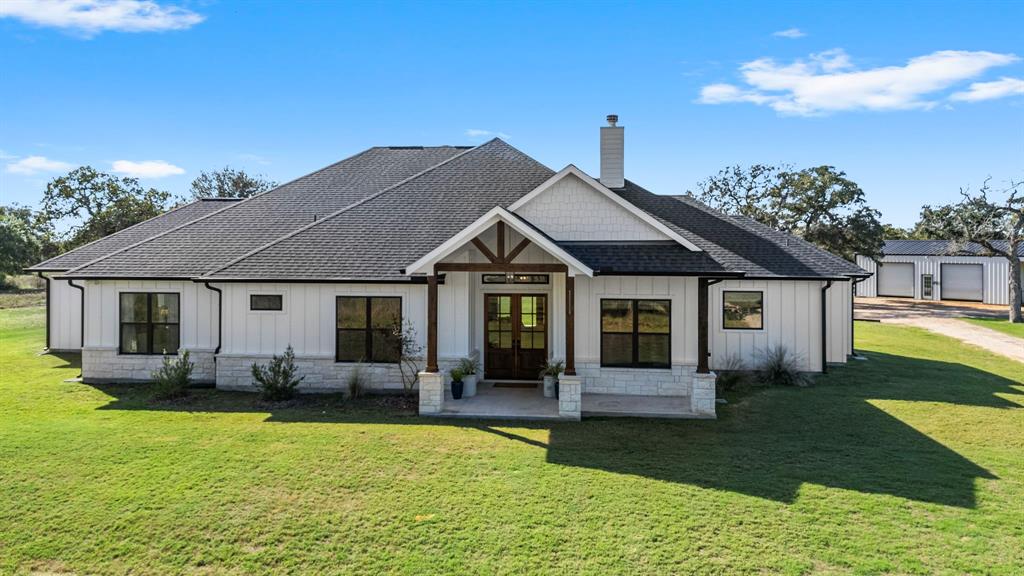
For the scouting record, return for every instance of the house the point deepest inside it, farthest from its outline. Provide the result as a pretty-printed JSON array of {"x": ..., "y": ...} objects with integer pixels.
[
  {"x": 482, "y": 252},
  {"x": 937, "y": 270}
]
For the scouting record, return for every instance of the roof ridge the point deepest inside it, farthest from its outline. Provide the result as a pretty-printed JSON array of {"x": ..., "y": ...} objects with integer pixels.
[
  {"x": 339, "y": 211},
  {"x": 77, "y": 248},
  {"x": 215, "y": 212}
]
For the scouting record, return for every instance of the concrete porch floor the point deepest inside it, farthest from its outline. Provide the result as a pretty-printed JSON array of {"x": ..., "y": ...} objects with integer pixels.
[{"x": 530, "y": 404}]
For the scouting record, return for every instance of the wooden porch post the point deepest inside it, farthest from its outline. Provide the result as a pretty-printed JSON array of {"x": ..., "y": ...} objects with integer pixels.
[
  {"x": 432, "y": 323},
  {"x": 570, "y": 325},
  {"x": 702, "y": 326}
]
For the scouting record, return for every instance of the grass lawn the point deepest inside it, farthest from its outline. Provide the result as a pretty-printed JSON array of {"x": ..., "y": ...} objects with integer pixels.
[
  {"x": 911, "y": 462},
  {"x": 1000, "y": 324}
]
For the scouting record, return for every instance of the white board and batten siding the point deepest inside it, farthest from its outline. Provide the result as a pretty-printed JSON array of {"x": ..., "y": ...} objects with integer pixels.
[
  {"x": 791, "y": 318},
  {"x": 65, "y": 311},
  {"x": 308, "y": 322},
  {"x": 198, "y": 311},
  {"x": 572, "y": 210},
  {"x": 995, "y": 276}
]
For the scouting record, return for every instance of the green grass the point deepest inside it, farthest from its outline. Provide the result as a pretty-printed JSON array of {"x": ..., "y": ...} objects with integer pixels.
[
  {"x": 911, "y": 462},
  {"x": 1004, "y": 326}
]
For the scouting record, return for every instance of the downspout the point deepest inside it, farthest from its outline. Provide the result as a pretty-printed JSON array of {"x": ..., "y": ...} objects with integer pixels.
[
  {"x": 220, "y": 318},
  {"x": 47, "y": 280},
  {"x": 824, "y": 327},
  {"x": 81, "y": 311},
  {"x": 853, "y": 294}
]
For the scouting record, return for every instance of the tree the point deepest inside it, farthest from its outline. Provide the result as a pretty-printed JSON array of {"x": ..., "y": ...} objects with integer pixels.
[
  {"x": 23, "y": 241},
  {"x": 103, "y": 203},
  {"x": 896, "y": 233},
  {"x": 229, "y": 183},
  {"x": 994, "y": 223},
  {"x": 819, "y": 204}
]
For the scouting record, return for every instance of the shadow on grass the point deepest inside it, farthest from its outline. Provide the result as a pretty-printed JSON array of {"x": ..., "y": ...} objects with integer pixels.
[
  {"x": 69, "y": 359},
  {"x": 765, "y": 444}
]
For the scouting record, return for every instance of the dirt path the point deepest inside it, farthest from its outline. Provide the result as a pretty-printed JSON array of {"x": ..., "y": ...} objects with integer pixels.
[{"x": 943, "y": 319}]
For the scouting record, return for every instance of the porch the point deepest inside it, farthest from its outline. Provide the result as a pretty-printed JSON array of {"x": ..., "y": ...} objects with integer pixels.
[
  {"x": 510, "y": 301},
  {"x": 525, "y": 402}
]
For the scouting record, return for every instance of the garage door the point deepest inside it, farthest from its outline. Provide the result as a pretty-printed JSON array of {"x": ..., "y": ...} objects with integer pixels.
[
  {"x": 896, "y": 279},
  {"x": 962, "y": 282}
]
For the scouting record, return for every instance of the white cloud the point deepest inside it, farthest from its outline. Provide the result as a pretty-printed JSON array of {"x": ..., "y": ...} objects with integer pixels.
[
  {"x": 35, "y": 164},
  {"x": 1001, "y": 88},
  {"x": 790, "y": 33},
  {"x": 91, "y": 17},
  {"x": 828, "y": 82},
  {"x": 146, "y": 168},
  {"x": 477, "y": 133}
]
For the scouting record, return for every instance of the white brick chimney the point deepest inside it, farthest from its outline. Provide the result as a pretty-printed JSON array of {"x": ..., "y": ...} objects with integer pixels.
[{"x": 612, "y": 143}]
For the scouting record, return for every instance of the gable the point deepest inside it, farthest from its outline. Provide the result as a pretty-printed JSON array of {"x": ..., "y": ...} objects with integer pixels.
[{"x": 572, "y": 210}]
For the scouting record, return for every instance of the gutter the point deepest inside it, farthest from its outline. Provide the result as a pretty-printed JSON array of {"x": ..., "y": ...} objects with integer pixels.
[
  {"x": 853, "y": 294},
  {"x": 220, "y": 318},
  {"x": 81, "y": 310},
  {"x": 824, "y": 327},
  {"x": 47, "y": 280}
]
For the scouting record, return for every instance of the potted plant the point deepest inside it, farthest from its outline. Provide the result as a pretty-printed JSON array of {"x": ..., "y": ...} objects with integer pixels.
[
  {"x": 457, "y": 383},
  {"x": 469, "y": 367},
  {"x": 549, "y": 372}
]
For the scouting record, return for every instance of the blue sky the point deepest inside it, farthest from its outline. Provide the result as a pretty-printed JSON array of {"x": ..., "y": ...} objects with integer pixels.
[{"x": 911, "y": 100}]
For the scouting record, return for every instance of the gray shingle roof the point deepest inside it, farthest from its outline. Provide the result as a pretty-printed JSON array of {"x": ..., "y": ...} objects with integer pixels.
[
  {"x": 739, "y": 244},
  {"x": 369, "y": 216},
  {"x": 202, "y": 245},
  {"x": 642, "y": 258},
  {"x": 378, "y": 238},
  {"x": 133, "y": 234},
  {"x": 940, "y": 248}
]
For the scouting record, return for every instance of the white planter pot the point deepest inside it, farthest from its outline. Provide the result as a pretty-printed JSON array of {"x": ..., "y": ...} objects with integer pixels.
[
  {"x": 549, "y": 386},
  {"x": 470, "y": 382}
]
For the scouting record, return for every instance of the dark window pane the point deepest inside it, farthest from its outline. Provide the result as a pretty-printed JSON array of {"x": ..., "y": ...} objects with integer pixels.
[
  {"x": 743, "y": 310},
  {"x": 617, "y": 348},
  {"x": 386, "y": 312},
  {"x": 653, "y": 349},
  {"x": 133, "y": 307},
  {"x": 386, "y": 346},
  {"x": 165, "y": 308},
  {"x": 134, "y": 339},
  {"x": 616, "y": 315},
  {"x": 351, "y": 345},
  {"x": 266, "y": 302},
  {"x": 351, "y": 312},
  {"x": 494, "y": 279},
  {"x": 165, "y": 339},
  {"x": 653, "y": 316}
]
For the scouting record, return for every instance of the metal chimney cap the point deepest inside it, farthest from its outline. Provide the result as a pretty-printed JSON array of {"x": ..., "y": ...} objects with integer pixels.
[{"x": 612, "y": 119}]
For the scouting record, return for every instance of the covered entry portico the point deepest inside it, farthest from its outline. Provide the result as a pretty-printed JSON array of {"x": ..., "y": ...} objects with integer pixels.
[
  {"x": 520, "y": 313},
  {"x": 515, "y": 306}
]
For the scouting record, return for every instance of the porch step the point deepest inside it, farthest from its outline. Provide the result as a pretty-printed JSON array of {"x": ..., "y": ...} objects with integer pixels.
[{"x": 638, "y": 406}]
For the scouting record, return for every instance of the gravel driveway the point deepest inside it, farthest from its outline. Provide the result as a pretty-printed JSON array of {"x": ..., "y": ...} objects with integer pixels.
[{"x": 943, "y": 318}]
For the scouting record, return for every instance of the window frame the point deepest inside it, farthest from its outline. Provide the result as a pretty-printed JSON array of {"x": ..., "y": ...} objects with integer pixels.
[
  {"x": 728, "y": 329},
  {"x": 279, "y": 296},
  {"x": 368, "y": 330},
  {"x": 635, "y": 352},
  {"x": 149, "y": 323}
]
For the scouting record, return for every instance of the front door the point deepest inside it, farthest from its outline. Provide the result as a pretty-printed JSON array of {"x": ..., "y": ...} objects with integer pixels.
[{"x": 516, "y": 336}]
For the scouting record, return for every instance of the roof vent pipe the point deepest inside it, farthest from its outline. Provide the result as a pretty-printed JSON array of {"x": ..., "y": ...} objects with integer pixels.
[{"x": 612, "y": 145}]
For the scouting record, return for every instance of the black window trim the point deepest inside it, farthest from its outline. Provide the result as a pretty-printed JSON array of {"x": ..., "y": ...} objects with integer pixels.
[
  {"x": 636, "y": 334},
  {"x": 149, "y": 323},
  {"x": 280, "y": 300},
  {"x": 759, "y": 328},
  {"x": 368, "y": 330}
]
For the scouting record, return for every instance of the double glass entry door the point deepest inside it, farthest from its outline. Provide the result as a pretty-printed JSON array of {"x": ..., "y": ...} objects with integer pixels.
[{"x": 516, "y": 330}]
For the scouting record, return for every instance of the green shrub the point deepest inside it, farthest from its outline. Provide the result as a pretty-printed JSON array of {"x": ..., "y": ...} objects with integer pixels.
[
  {"x": 173, "y": 378},
  {"x": 732, "y": 374},
  {"x": 277, "y": 380},
  {"x": 357, "y": 381},
  {"x": 469, "y": 366},
  {"x": 779, "y": 367}
]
